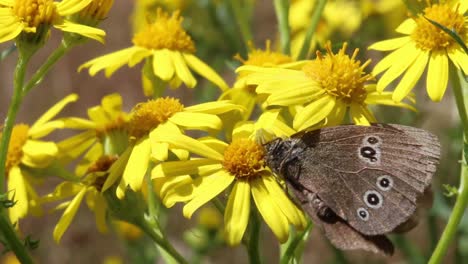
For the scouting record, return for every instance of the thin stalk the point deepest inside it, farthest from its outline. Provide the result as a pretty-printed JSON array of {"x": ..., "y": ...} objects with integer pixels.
[
  {"x": 242, "y": 22},
  {"x": 6, "y": 228},
  {"x": 282, "y": 14},
  {"x": 162, "y": 242},
  {"x": 253, "y": 248},
  {"x": 462, "y": 197},
  {"x": 45, "y": 68},
  {"x": 14, "y": 243},
  {"x": 295, "y": 243},
  {"x": 318, "y": 10},
  {"x": 10, "y": 119}
]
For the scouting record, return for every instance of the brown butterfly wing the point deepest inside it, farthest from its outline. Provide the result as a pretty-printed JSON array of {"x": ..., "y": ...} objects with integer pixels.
[
  {"x": 341, "y": 234},
  {"x": 371, "y": 177}
]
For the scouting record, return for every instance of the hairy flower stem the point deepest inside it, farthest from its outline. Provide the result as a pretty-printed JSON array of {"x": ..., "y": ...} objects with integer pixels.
[
  {"x": 45, "y": 68},
  {"x": 148, "y": 228},
  {"x": 318, "y": 10},
  {"x": 282, "y": 14},
  {"x": 462, "y": 197},
  {"x": 6, "y": 228},
  {"x": 252, "y": 244}
]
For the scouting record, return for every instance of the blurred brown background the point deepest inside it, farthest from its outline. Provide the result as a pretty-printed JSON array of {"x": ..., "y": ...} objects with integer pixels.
[{"x": 82, "y": 243}]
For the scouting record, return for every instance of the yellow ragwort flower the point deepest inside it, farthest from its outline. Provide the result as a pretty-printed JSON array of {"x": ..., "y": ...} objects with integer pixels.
[
  {"x": 107, "y": 126},
  {"x": 239, "y": 164},
  {"x": 244, "y": 94},
  {"x": 326, "y": 86},
  {"x": 18, "y": 16},
  {"x": 424, "y": 45},
  {"x": 169, "y": 47},
  {"x": 26, "y": 150},
  {"x": 90, "y": 187},
  {"x": 339, "y": 16},
  {"x": 163, "y": 116}
]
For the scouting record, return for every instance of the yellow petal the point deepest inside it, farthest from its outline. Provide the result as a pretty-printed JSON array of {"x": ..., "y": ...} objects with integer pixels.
[
  {"x": 160, "y": 150},
  {"x": 78, "y": 123},
  {"x": 10, "y": 30},
  {"x": 204, "y": 70},
  {"x": 199, "y": 121},
  {"x": 174, "y": 189},
  {"x": 68, "y": 7},
  {"x": 277, "y": 195},
  {"x": 116, "y": 170},
  {"x": 407, "y": 26},
  {"x": 437, "y": 75},
  {"x": 137, "y": 164},
  {"x": 395, "y": 64},
  {"x": 459, "y": 58},
  {"x": 53, "y": 111},
  {"x": 296, "y": 94},
  {"x": 214, "y": 143},
  {"x": 314, "y": 112},
  {"x": 209, "y": 188},
  {"x": 68, "y": 216},
  {"x": 385, "y": 98},
  {"x": 390, "y": 44},
  {"x": 73, "y": 147},
  {"x": 39, "y": 154},
  {"x": 176, "y": 168},
  {"x": 270, "y": 212},
  {"x": 100, "y": 212},
  {"x": 411, "y": 77},
  {"x": 18, "y": 193},
  {"x": 236, "y": 216},
  {"x": 62, "y": 191},
  {"x": 243, "y": 130},
  {"x": 214, "y": 108},
  {"x": 357, "y": 115},
  {"x": 190, "y": 144},
  {"x": 93, "y": 154},
  {"x": 337, "y": 115},
  {"x": 86, "y": 31},
  {"x": 163, "y": 67},
  {"x": 111, "y": 62},
  {"x": 182, "y": 69}
]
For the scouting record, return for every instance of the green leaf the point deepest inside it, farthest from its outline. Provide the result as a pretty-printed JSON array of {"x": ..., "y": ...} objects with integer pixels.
[{"x": 451, "y": 33}]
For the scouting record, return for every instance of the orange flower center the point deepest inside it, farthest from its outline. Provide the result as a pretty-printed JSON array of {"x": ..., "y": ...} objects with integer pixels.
[
  {"x": 35, "y": 12},
  {"x": 147, "y": 116},
  {"x": 165, "y": 33},
  {"x": 19, "y": 136},
  {"x": 429, "y": 37},
  {"x": 340, "y": 75},
  {"x": 244, "y": 158}
]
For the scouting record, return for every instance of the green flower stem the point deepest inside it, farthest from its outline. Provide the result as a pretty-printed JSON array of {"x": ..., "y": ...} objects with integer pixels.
[
  {"x": 6, "y": 228},
  {"x": 45, "y": 68},
  {"x": 10, "y": 119},
  {"x": 11, "y": 238},
  {"x": 148, "y": 228},
  {"x": 290, "y": 252},
  {"x": 252, "y": 245},
  {"x": 462, "y": 197},
  {"x": 242, "y": 21},
  {"x": 282, "y": 14},
  {"x": 318, "y": 10}
]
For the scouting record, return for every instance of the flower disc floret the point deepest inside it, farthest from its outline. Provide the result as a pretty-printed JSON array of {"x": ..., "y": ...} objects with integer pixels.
[
  {"x": 340, "y": 75},
  {"x": 35, "y": 12},
  {"x": 429, "y": 37},
  {"x": 19, "y": 136},
  {"x": 165, "y": 33},
  {"x": 244, "y": 158},
  {"x": 146, "y": 116}
]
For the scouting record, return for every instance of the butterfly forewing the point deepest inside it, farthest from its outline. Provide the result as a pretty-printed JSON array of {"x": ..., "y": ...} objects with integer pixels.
[{"x": 369, "y": 176}]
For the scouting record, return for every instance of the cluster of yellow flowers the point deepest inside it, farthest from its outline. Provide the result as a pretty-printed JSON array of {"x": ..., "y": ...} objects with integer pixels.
[{"x": 275, "y": 95}]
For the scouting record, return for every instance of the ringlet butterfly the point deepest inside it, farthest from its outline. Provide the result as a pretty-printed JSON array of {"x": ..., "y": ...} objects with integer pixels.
[{"x": 358, "y": 183}]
